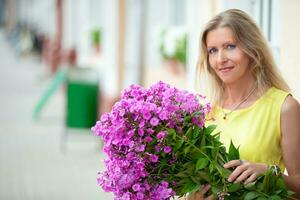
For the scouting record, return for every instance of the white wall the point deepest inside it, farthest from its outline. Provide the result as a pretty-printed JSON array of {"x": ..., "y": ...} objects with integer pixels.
[
  {"x": 290, "y": 44},
  {"x": 198, "y": 14},
  {"x": 39, "y": 13}
]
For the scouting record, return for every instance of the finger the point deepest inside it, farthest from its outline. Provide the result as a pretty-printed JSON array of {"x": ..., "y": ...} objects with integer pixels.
[
  {"x": 251, "y": 178},
  {"x": 246, "y": 174},
  {"x": 199, "y": 194},
  {"x": 239, "y": 170},
  {"x": 211, "y": 197},
  {"x": 196, "y": 196},
  {"x": 232, "y": 163},
  {"x": 204, "y": 189}
]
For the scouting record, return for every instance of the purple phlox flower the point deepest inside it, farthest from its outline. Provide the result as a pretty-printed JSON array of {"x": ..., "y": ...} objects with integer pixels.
[
  {"x": 140, "y": 148},
  {"x": 146, "y": 113},
  {"x": 157, "y": 148},
  {"x": 198, "y": 120},
  {"x": 171, "y": 124},
  {"x": 148, "y": 139},
  {"x": 154, "y": 158},
  {"x": 180, "y": 97},
  {"x": 150, "y": 131},
  {"x": 105, "y": 117},
  {"x": 195, "y": 119},
  {"x": 163, "y": 115},
  {"x": 122, "y": 112},
  {"x": 167, "y": 149},
  {"x": 129, "y": 133},
  {"x": 154, "y": 121},
  {"x": 140, "y": 195},
  {"x": 136, "y": 187},
  {"x": 149, "y": 98},
  {"x": 126, "y": 196},
  {"x": 142, "y": 124},
  {"x": 207, "y": 108},
  {"x": 161, "y": 135},
  {"x": 131, "y": 144},
  {"x": 164, "y": 184},
  {"x": 141, "y": 132},
  {"x": 172, "y": 108},
  {"x": 162, "y": 192}
]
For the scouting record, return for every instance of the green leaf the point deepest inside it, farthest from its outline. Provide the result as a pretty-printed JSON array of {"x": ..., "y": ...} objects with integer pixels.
[
  {"x": 201, "y": 163},
  {"x": 203, "y": 143},
  {"x": 182, "y": 175},
  {"x": 189, "y": 133},
  {"x": 190, "y": 186},
  {"x": 234, "y": 187},
  {"x": 280, "y": 183},
  {"x": 266, "y": 182},
  {"x": 196, "y": 133},
  {"x": 208, "y": 147},
  {"x": 195, "y": 179},
  {"x": 172, "y": 133},
  {"x": 178, "y": 145},
  {"x": 250, "y": 186},
  {"x": 215, "y": 152},
  {"x": 262, "y": 198},
  {"x": 208, "y": 130},
  {"x": 188, "y": 118},
  {"x": 216, "y": 189},
  {"x": 233, "y": 152},
  {"x": 217, "y": 135},
  {"x": 275, "y": 197},
  {"x": 290, "y": 193},
  {"x": 186, "y": 149},
  {"x": 212, "y": 166},
  {"x": 204, "y": 176},
  {"x": 224, "y": 172},
  {"x": 251, "y": 195}
]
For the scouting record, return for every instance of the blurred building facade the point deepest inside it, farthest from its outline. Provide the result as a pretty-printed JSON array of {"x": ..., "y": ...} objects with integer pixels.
[{"x": 131, "y": 34}]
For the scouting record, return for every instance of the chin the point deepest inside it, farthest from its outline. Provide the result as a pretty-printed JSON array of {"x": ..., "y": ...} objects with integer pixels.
[{"x": 228, "y": 81}]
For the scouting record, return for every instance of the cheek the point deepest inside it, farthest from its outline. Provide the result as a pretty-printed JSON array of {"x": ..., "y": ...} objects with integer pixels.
[
  {"x": 212, "y": 63},
  {"x": 244, "y": 62},
  {"x": 241, "y": 58}
]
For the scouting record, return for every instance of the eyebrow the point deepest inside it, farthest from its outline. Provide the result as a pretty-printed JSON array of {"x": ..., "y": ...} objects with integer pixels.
[{"x": 224, "y": 44}]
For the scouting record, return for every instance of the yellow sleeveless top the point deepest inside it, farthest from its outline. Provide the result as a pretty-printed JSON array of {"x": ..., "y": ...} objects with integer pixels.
[{"x": 255, "y": 129}]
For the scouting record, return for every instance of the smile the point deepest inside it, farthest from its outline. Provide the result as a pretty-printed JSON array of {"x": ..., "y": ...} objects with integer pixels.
[{"x": 225, "y": 69}]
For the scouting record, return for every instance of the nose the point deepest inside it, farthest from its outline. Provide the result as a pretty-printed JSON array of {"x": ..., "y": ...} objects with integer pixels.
[{"x": 221, "y": 57}]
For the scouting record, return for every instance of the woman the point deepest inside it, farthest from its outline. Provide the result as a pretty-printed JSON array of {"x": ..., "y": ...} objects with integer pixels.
[{"x": 252, "y": 105}]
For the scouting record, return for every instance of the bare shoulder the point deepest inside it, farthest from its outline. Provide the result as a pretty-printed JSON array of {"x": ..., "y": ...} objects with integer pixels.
[
  {"x": 290, "y": 105},
  {"x": 290, "y": 117}
]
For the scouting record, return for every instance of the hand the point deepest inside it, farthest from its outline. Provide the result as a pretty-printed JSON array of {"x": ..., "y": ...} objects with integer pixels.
[
  {"x": 199, "y": 195},
  {"x": 245, "y": 171}
]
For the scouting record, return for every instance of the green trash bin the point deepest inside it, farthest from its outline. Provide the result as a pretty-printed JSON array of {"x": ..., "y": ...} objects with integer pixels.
[{"x": 82, "y": 98}]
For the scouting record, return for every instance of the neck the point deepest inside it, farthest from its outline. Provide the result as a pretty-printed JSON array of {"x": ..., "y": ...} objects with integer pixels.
[{"x": 235, "y": 93}]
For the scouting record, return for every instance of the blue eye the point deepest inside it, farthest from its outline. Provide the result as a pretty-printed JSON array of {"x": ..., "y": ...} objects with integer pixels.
[
  {"x": 231, "y": 46},
  {"x": 212, "y": 50}
]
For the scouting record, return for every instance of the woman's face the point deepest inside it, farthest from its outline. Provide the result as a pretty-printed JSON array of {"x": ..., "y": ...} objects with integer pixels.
[{"x": 226, "y": 58}]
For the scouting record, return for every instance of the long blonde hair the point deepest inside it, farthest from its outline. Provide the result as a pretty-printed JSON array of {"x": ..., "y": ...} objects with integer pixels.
[{"x": 252, "y": 42}]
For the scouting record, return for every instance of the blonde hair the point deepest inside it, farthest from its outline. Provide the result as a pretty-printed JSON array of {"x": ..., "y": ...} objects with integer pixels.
[{"x": 251, "y": 40}]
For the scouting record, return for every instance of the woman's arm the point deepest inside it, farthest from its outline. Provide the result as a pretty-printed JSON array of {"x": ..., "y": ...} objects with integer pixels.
[{"x": 290, "y": 142}]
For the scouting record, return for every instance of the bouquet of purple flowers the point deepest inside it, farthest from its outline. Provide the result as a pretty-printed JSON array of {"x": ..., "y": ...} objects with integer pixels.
[{"x": 157, "y": 147}]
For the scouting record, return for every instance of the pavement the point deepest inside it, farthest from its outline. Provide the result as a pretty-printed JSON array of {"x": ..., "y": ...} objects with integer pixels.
[{"x": 32, "y": 163}]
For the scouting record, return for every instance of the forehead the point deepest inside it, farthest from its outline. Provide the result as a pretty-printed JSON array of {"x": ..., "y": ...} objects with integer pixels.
[{"x": 220, "y": 36}]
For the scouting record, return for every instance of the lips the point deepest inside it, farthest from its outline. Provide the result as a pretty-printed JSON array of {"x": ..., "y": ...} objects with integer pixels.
[{"x": 226, "y": 69}]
